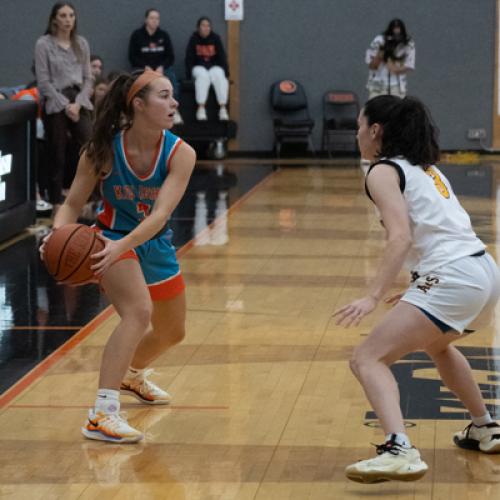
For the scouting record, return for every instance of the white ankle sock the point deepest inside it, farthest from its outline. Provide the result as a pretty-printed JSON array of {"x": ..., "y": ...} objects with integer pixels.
[
  {"x": 400, "y": 438},
  {"x": 484, "y": 420},
  {"x": 107, "y": 401}
]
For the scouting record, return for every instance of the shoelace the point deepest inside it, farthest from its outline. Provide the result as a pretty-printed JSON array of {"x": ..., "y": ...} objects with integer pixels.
[
  {"x": 491, "y": 425},
  {"x": 147, "y": 384},
  {"x": 114, "y": 420},
  {"x": 389, "y": 447}
]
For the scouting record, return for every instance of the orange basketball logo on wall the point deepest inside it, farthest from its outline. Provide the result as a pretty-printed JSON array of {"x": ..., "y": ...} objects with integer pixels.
[{"x": 288, "y": 87}]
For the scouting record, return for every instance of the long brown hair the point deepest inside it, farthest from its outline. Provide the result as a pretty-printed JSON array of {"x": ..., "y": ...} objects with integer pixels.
[
  {"x": 51, "y": 28},
  {"x": 112, "y": 115}
]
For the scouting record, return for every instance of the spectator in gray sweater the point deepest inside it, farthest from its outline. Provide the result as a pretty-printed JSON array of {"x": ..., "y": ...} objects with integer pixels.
[{"x": 62, "y": 65}]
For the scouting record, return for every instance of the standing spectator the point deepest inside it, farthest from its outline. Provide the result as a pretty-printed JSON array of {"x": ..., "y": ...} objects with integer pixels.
[
  {"x": 150, "y": 48},
  {"x": 390, "y": 56},
  {"x": 62, "y": 65},
  {"x": 96, "y": 66},
  {"x": 206, "y": 63}
]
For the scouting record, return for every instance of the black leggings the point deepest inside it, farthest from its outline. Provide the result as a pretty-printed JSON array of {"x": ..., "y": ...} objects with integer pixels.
[{"x": 59, "y": 130}]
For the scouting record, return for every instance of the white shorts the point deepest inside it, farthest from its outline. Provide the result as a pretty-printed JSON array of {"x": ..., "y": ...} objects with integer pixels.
[{"x": 462, "y": 294}]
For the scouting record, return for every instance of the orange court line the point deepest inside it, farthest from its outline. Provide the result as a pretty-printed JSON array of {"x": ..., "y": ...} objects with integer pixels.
[
  {"x": 40, "y": 369},
  {"x": 54, "y": 357},
  {"x": 42, "y": 327}
]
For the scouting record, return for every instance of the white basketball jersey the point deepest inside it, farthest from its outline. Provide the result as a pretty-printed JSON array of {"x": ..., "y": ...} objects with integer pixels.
[{"x": 441, "y": 228}]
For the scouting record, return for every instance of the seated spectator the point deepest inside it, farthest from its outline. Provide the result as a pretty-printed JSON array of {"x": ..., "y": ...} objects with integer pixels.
[
  {"x": 150, "y": 48},
  {"x": 206, "y": 63},
  {"x": 101, "y": 86},
  {"x": 96, "y": 65},
  {"x": 62, "y": 64}
]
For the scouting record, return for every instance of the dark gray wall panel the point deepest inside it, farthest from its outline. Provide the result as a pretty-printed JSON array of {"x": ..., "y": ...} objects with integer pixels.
[{"x": 320, "y": 42}]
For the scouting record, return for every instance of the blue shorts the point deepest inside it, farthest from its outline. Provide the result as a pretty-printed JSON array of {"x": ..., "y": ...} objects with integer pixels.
[{"x": 158, "y": 263}]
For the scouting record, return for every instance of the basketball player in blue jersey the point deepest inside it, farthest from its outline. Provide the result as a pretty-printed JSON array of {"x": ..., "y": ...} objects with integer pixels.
[
  {"x": 143, "y": 171},
  {"x": 454, "y": 289}
]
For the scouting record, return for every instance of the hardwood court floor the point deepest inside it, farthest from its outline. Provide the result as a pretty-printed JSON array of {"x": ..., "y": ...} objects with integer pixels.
[{"x": 265, "y": 406}]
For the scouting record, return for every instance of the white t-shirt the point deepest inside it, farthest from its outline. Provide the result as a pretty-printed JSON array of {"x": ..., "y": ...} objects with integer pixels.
[
  {"x": 380, "y": 80},
  {"x": 440, "y": 227}
]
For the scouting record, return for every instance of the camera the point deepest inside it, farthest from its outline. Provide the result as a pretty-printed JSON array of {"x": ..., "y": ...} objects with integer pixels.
[{"x": 391, "y": 43}]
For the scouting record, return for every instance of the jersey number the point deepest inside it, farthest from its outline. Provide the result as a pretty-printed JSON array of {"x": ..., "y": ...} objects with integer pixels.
[
  {"x": 144, "y": 209},
  {"x": 440, "y": 185}
]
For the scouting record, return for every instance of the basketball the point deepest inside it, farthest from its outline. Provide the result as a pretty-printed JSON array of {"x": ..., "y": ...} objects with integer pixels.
[{"x": 67, "y": 253}]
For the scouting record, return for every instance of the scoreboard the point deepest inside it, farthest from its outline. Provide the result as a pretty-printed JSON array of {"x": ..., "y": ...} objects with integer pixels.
[{"x": 17, "y": 166}]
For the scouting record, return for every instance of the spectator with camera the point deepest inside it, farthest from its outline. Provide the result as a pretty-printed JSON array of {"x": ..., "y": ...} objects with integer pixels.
[{"x": 390, "y": 57}]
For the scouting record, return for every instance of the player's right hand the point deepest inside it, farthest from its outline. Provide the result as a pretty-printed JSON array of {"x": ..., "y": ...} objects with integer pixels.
[{"x": 41, "y": 248}]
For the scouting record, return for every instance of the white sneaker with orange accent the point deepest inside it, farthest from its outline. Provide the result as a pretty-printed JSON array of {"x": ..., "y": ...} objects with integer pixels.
[
  {"x": 110, "y": 427},
  {"x": 144, "y": 390}
]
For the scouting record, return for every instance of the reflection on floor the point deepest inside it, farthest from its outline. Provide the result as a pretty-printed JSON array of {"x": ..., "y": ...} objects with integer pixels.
[
  {"x": 37, "y": 316},
  {"x": 265, "y": 405}
]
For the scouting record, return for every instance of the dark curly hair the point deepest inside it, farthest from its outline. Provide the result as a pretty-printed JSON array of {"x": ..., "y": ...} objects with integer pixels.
[{"x": 408, "y": 129}]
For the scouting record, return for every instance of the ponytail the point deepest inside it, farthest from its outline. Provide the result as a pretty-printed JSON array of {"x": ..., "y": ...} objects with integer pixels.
[
  {"x": 408, "y": 129},
  {"x": 112, "y": 115}
]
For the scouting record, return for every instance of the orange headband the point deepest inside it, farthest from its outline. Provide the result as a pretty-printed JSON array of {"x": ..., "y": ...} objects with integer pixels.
[{"x": 145, "y": 79}]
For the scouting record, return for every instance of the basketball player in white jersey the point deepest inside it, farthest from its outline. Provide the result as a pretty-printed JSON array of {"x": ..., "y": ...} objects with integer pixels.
[{"x": 454, "y": 284}]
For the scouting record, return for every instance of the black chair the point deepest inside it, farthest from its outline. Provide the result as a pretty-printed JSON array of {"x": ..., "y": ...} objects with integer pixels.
[
  {"x": 340, "y": 121},
  {"x": 291, "y": 119},
  {"x": 209, "y": 137}
]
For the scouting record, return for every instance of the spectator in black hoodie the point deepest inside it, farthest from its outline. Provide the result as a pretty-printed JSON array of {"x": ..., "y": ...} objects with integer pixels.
[
  {"x": 150, "y": 48},
  {"x": 206, "y": 63}
]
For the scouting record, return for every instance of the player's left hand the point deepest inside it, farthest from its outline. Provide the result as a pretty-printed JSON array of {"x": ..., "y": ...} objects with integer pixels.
[
  {"x": 353, "y": 313},
  {"x": 111, "y": 251}
]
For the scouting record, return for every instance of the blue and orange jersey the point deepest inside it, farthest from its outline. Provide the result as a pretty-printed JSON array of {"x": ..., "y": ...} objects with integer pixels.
[{"x": 127, "y": 197}]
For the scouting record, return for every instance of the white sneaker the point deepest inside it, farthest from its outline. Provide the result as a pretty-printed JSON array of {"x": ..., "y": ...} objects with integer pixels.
[
  {"x": 223, "y": 116},
  {"x": 144, "y": 390},
  {"x": 43, "y": 206},
  {"x": 201, "y": 114},
  {"x": 393, "y": 463},
  {"x": 178, "y": 118},
  {"x": 110, "y": 427},
  {"x": 485, "y": 438}
]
